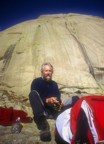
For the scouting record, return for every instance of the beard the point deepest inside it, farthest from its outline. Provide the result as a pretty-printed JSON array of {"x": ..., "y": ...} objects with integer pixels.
[{"x": 48, "y": 78}]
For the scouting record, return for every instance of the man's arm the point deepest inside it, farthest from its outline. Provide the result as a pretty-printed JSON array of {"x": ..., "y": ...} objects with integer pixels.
[
  {"x": 33, "y": 85},
  {"x": 56, "y": 98}
]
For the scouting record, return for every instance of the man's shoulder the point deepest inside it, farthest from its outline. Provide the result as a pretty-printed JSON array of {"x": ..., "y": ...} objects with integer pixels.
[
  {"x": 38, "y": 79},
  {"x": 54, "y": 82}
]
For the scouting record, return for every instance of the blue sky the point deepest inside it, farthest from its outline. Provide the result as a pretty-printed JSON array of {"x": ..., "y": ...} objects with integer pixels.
[{"x": 16, "y": 11}]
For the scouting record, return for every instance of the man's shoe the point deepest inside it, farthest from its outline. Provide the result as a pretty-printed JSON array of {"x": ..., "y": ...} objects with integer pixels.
[
  {"x": 44, "y": 128},
  {"x": 45, "y": 135}
]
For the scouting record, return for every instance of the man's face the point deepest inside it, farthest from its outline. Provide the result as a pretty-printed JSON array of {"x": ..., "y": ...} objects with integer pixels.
[{"x": 47, "y": 73}]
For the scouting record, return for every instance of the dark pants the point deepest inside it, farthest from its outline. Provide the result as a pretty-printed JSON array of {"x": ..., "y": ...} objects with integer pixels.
[
  {"x": 41, "y": 111},
  {"x": 39, "y": 108},
  {"x": 36, "y": 103},
  {"x": 40, "y": 115}
]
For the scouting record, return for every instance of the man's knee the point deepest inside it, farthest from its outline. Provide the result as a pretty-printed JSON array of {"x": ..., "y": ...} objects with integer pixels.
[
  {"x": 33, "y": 94},
  {"x": 35, "y": 98}
]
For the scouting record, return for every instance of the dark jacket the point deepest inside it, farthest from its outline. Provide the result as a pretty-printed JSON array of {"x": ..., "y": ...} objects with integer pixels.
[{"x": 45, "y": 89}]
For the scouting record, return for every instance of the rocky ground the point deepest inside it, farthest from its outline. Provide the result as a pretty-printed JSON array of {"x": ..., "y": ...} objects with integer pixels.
[{"x": 28, "y": 135}]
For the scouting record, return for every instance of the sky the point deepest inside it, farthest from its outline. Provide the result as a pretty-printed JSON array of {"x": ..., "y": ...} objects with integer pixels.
[{"x": 17, "y": 11}]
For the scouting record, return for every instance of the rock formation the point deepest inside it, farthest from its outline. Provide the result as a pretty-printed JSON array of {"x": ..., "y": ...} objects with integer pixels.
[{"x": 73, "y": 43}]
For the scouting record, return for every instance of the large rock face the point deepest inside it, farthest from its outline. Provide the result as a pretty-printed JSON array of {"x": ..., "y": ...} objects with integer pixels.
[{"x": 73, "y": 43}]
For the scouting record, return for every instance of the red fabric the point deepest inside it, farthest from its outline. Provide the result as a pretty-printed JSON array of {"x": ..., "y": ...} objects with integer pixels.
[
  {"x": 74, "y": 116},
  {"x": 96, "y": 103},
  {"x": 9, "y": 115}
]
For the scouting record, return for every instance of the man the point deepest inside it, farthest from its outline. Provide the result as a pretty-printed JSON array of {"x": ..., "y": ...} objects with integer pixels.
[{"x": 45, "y": 100}]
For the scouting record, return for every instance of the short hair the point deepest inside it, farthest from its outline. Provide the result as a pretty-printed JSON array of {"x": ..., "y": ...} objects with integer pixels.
[{"x": 44, "y": 64}]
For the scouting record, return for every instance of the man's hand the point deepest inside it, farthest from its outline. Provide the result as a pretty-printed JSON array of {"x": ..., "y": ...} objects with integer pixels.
[
  {"x": 62, "y": 104},
  {"x": 52, "y": 100},
  {"x": 57, "y": 104}
]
